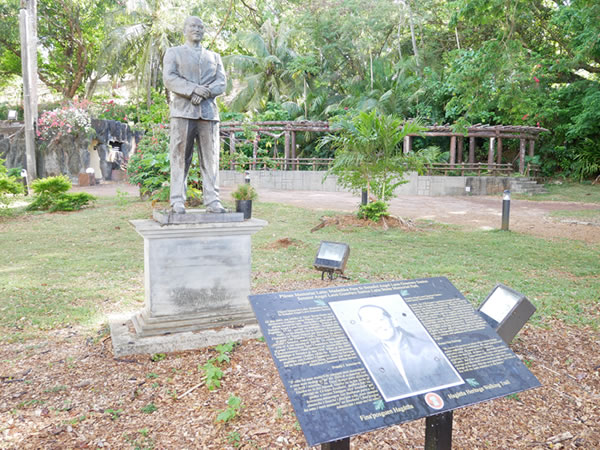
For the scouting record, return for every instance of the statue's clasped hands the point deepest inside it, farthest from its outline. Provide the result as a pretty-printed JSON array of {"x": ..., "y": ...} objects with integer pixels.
[{"x": 199, "y": 94}]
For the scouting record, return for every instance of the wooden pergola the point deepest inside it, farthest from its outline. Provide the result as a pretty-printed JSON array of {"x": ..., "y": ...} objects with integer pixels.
[{"x": 495, "y": 133}]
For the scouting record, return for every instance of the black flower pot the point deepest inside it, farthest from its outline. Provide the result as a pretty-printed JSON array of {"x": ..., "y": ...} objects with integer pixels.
[{"x": 244, "y": 206}]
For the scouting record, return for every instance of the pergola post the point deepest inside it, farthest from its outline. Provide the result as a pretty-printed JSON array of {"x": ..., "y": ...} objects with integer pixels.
[
  {"x": 452, "y": 151},
  {"x": 522, "y": 143},
  {"x": 231, "y": 143},
  {"x": 491, "y": 153},
  {"x": 459, "y": 157},
  {"x": 407, "y": 145},
  {"x": 531, "y": 148},
  {"x": 254, "y": 150},
  {"x": 472, "y": 150},
  {"x": 499, "y": 151},
  {"x": 293, "y": 136},
  {"x": 286, "y": 149}
]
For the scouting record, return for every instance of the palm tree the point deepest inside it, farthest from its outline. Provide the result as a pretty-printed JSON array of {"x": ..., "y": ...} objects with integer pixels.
[
  {"x": 262, "y": 71},
  {"x": 147, "y": 28}
]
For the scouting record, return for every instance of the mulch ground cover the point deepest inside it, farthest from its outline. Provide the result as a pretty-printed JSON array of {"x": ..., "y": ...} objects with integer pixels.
[{"x": 69, "y": 391}]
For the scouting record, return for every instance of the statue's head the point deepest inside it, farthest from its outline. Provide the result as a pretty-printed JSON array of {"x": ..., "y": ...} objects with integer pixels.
[{"x": 193, "y": 29}]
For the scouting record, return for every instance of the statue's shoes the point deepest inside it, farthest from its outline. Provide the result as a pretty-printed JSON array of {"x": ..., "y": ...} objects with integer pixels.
[
  {"x": 178, "y": 208},
  {"x": 215, "y": 207}
]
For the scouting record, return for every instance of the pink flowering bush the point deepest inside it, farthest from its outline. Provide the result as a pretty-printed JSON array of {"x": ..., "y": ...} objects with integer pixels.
[{"x": 72, "y": 118}]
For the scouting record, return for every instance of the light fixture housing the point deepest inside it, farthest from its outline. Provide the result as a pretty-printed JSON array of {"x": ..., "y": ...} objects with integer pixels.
[
  {"x": 506, "y": 310},
  {"x": 331, "y": 258},
  {"x": 12, "y": 114}
]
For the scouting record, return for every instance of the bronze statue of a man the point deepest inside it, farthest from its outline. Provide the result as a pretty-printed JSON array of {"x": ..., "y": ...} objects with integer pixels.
[{"x": 195, "y": 77}]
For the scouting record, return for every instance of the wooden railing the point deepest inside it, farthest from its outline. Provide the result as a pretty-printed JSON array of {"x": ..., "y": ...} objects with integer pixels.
[
  {"x": 457, "y": 169},
  {"x": 469, "y": 168},
  {"x": 281, "y": 164}
]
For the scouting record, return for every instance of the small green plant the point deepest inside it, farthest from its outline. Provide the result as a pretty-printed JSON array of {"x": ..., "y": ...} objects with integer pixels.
[
  {"x": 514, "y": 396},
  {"x": 212, "y": 374},
  {"x": 114, "y": 413},
  {"x": 234, "y": 439},
  {"x": 151, "y": 375},
  {"x": 158, "y": 357},
  {"x": 224, "y": 351},
  {"x": 234, "y": 406},
  {"x": 122, "y": 198},
  {"x": 373, "y": 211},
  {"x": 245, "y": 192},
  {"x": 149, "y": 408}
]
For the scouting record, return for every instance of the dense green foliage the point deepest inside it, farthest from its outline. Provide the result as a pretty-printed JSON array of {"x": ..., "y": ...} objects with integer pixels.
[
  {"x": 373, "y": 211},
  {"x": 9, "y": 184},
  {"x": 459, "y": 62},
  {"x": 244, "y": 192},
  {"x": 368, "y": 153},
  {"x": 51, "y": 195}
]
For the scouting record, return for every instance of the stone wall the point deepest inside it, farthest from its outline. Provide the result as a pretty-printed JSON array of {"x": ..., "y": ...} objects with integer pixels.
[
  {"x": 416, "y": 185},
  {"x": 72, "y": 154}
]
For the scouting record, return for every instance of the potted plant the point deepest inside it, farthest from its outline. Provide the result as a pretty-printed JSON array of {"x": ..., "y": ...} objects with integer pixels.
[{"x": 243, "y": 195}]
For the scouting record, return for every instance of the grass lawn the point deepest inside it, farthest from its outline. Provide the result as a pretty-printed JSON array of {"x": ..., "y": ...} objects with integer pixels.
[
  {"x": 74, "y": 268},
  {"x": 568, "y": 192}
]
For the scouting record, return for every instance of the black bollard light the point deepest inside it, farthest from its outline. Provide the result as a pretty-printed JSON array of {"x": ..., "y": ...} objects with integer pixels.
[
  {"x": 364, "y": 197},
  {"x": 505, "y": 209},
  {"x": 247, "y": 177}
]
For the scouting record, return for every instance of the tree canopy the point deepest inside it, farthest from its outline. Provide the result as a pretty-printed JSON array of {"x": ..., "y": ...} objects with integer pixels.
[{"x": 460, "y": 62}]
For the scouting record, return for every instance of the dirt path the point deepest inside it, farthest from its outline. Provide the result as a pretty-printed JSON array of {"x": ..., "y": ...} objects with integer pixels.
[{"x": 473, "y": 213}]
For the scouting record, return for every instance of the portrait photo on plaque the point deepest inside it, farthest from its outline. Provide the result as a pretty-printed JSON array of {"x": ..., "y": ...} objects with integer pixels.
[{"x": 398, "y": 352}]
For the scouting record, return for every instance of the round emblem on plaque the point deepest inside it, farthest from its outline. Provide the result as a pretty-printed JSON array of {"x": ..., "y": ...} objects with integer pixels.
[{"x": 434, "y": 400}]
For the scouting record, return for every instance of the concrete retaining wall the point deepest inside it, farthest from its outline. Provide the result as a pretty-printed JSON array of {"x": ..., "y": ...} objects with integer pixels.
[{"x": 417, "y": 185}]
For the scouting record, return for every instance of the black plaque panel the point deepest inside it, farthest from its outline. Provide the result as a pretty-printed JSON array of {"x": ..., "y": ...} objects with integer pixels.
[{"x": 358, "y": 358}]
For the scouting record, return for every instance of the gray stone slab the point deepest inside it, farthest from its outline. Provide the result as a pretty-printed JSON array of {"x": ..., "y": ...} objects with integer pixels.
[
  {"x": 125, "y": 340},
  {"x": 168, "y": 217}
]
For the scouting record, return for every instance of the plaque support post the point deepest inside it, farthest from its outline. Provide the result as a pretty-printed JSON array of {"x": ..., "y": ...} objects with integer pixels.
[
  {"x": 438, "y": 432},
  {"x": 342, "y": 444}
]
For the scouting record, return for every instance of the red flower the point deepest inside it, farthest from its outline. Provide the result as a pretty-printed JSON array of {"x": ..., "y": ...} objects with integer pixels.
[
  {"x": 525, "y": 117},
  {"x": 536, "y": 79}
]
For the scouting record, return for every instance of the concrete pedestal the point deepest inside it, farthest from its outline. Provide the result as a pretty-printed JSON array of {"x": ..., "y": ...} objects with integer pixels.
[{"x": 197, "y": 278}]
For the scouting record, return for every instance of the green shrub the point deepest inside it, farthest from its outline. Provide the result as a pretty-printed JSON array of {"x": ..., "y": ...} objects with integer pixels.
[
  {"x": 51, "y": 195},
  {"x": 149, "y": 167},
  {"x": 373, "y": 211},
  {"x": 9, "y": 184},
  {"x": 51, "y": 185},
  {"x": 245, "y": 192}
]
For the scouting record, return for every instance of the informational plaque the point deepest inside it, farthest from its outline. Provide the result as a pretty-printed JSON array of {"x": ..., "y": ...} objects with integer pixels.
[{"x": 358, "y": 358}]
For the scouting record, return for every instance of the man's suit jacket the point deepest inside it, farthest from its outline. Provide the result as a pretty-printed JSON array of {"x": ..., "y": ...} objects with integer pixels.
[
  {"x": 424, "y": 365},
  {"x": 185, "y": 68}
]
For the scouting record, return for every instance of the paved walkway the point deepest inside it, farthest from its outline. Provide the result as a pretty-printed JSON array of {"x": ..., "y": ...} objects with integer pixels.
[{"x": 471, "y": 212}]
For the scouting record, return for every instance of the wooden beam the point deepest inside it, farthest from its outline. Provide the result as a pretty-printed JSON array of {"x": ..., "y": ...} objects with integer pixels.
[
  {"x": 461, "y": 143},
  {"x": 452, "y": 151}
]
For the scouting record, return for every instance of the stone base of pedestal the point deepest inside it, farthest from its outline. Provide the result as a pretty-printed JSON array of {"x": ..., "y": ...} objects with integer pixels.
[
  {"x": 126, "y": 341},
  {"x": 145, "y": 325},
  {"x": 197, "y": 282}
]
